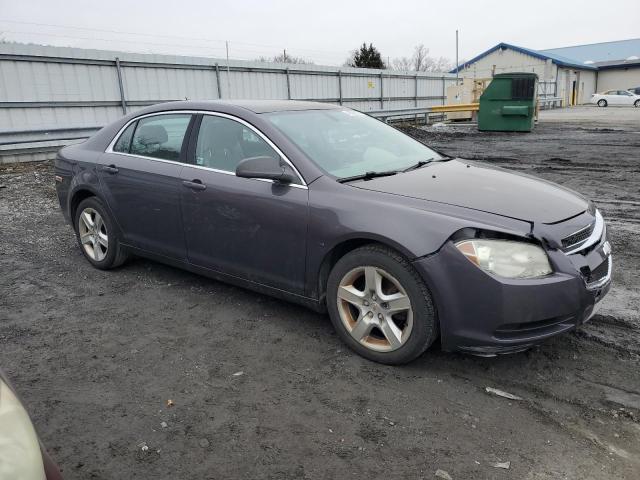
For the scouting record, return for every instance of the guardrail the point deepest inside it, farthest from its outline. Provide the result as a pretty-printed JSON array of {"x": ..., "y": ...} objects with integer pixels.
[
  {"x": 385, "y": 115},
  {"x": 549, "y": 102},
  {"x": 416, "y": 113}
]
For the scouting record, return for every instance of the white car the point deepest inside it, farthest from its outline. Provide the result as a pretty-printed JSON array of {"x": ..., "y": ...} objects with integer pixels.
[{"x": 616, "y": 97}]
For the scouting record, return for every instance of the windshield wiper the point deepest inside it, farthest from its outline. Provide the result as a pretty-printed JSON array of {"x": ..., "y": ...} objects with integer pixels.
[
  {"x": 415, "y": 166},
  {"x": 368, "y": 176}
]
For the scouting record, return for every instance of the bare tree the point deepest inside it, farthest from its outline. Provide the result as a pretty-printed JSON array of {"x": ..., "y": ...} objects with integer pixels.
[
  {"x": 402, "y": 63},
  {"x": 284, "y": 57},
  {"x": 440, "y": 64},
  {"x": 422, "y": 62},
  {"x": 420, "y": 57}
]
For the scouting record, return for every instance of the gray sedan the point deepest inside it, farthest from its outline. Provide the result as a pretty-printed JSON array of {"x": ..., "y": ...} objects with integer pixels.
[{"x": 328, "y": 207}]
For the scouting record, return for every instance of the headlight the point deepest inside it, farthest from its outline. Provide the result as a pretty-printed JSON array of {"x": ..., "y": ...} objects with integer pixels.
[
  {"x": 20, "y": 455},
  {"x": 507, "y": 258}
]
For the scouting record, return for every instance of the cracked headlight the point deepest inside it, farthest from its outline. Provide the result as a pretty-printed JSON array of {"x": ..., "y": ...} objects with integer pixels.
[
  {"x": 20, "y": 455},
  {"x": 506, "y": 258}
]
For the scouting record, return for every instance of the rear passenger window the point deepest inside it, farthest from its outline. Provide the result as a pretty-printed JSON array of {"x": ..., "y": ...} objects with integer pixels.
[
  {"x": 160, "y": 136},
  {"x": 124, "y": 142}
]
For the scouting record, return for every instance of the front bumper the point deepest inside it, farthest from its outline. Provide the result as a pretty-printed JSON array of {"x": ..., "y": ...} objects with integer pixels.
[{"x": 485, "y": 314}]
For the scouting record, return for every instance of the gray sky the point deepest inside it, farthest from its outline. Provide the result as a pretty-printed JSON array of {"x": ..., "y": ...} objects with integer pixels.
[{"x": 324, "y": 30}]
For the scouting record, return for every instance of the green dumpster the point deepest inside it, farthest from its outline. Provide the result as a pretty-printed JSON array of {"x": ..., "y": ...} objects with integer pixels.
[{"x": 508, "y": 104}]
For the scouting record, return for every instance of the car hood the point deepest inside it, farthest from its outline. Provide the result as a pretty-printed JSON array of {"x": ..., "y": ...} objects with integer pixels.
[{"x": 482, "y": 187}]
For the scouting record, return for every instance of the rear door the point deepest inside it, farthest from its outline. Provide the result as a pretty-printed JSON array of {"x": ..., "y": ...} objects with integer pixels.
[
  {"x": 252, "y": 229},
  {"x": 140, "y": 175}
]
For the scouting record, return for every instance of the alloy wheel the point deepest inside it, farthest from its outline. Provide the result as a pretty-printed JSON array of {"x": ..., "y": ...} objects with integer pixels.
[
  {"x": 375, "y": 308},
  {"x": 93, "y": 234}
]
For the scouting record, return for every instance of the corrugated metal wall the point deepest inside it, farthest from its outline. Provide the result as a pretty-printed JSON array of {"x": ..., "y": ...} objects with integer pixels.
[{"x": 51, "y": 96}]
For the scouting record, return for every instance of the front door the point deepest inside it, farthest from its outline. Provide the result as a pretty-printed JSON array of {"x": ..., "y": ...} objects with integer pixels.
[
  {"x": 140, "y": 177},
  {"x": 626, "y": 98},
  {"x": 613, "y": 98},
  {"x": 252, "y": 229}
]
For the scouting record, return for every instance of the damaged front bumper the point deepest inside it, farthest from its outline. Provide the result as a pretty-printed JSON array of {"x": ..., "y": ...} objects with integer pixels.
[{"x": 487, "y": 315}]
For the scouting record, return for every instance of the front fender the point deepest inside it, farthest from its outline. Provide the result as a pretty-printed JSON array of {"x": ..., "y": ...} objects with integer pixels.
[{"x": 416, "y": 228}]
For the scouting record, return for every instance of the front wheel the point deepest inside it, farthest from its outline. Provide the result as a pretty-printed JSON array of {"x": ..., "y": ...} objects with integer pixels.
[
  {"x": 97, "y": 235},
  {"x": 602, "y": 103},
  {"x": 380, "y": 307},
  {"x": 636, "y": 103}
]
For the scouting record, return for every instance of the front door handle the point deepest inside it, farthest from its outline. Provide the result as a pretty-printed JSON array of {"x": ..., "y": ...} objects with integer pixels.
[
  {"x": 109, "y": 169},
  {"x": 194, "y": 184}
]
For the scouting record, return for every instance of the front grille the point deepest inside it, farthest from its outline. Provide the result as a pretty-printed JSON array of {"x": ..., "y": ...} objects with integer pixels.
[
  {"x": 598, "y": 273},
  {"x": 578, "y": 237}
]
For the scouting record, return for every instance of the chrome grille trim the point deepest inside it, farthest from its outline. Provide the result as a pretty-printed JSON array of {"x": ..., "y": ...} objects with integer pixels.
[
  {"x": 596, "y": 235},
  {"x": 582, "y": 235}
]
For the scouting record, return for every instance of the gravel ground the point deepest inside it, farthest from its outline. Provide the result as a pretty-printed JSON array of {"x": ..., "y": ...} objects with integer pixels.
[{"x": 264, "y": 389}]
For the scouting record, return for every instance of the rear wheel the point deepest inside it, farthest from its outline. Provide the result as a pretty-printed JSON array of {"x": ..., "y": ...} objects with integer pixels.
[
  {"x": 636, "y": 103},
  {"x": 380, "y": 306},
  {"x": 602, "y": 103},
  {"x": 97, "y": 236}
]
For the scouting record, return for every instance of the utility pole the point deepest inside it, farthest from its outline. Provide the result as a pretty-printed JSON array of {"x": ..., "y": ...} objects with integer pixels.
[
  {"x": 284, "y": 55},
  {"x": 457, "y": 65}
]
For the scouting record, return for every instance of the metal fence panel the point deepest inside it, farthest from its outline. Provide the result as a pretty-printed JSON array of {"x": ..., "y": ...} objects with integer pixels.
[
  {"x": 316, "y": 87},
  {"x": 153, "y": 84},
  {"x": 52, "y": 95},
  {"x": 259, "y": 85},
  {"x": 44, "y": 81}
]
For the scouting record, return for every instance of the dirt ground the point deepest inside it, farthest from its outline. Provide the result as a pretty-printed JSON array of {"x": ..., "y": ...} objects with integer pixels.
[{"x": 264, "y": 389}]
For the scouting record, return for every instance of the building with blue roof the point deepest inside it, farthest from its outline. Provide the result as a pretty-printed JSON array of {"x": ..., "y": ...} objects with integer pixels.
[
  {"x": 619, "y": 50},
  {"x": 572, "y": 73}
]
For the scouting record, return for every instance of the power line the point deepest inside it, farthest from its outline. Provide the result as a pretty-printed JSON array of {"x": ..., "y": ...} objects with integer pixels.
[
  {"x": 249, "y": 54},
  {"x": 199, "y": 39}
]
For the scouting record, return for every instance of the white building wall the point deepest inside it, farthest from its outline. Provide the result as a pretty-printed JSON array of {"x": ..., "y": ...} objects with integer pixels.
[
  {"x": 505, "y": 61},
  {"x": 618, "y": 79},
  {"x": 587, "y": 85}
]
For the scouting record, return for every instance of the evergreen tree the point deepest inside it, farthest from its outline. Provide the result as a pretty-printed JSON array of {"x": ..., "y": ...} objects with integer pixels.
[{"x": 366, "y": 57}]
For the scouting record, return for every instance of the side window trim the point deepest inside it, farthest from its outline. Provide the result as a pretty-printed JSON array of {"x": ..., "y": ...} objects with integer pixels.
[
  {"x": 191, "y": 160},
  {"x": 136, "y": 120},
  {"x": 193, "y": 140},
  {"x": 122, "y": 134},
  {"x": 183, "y": 158},
  {"x": 192, "y": 134},
  {"x": 133, "y": 134}
]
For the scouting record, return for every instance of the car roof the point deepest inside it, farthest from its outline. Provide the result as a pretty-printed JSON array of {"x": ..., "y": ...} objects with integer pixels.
[
  {"x": 266, "y": 106},
  {"x": 255, "y": 106}
]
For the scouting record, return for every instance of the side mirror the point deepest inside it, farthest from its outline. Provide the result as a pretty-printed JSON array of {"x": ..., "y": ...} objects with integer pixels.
[{"x": 265, "y": 167}]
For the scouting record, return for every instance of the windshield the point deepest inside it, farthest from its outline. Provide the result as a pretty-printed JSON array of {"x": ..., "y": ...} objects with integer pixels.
[{"x": 347, "y": 143}]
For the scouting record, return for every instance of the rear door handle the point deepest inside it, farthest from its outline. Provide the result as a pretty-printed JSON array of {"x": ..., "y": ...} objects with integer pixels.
[
  {"x": 194, "y": 184},
  {"x": 109, "y": 168}
]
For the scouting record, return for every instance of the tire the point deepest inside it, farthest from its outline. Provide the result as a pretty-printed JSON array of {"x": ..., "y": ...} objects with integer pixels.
[
  {"x": 103, "y": 250},
  {"x": 636, "y": 103},
  {"x": 602, "y": 103},
  {"x": 362, "y": 321}
]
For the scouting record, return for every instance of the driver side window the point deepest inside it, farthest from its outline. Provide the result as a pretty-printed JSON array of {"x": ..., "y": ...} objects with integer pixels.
[{"x": 223, "y": 143}]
